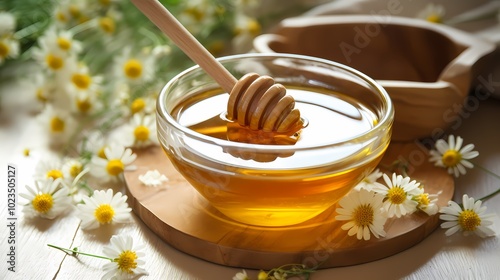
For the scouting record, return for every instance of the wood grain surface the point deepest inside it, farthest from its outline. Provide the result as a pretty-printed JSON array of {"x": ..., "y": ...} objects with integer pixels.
[{"x": 186, "y": 221}]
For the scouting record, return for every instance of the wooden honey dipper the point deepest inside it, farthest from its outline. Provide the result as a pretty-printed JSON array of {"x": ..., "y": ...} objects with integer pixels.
[{"x": 255, "y": 101}]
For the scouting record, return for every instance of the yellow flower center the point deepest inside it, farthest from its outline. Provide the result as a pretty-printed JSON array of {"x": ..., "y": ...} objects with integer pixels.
[
  {"x": 107, "y": 24},
  {"x": 81, "y": 81},
  {"x": 54, "y": 174},
  {"x": 434, "y": 18},
  {"x": 133, "y": 68},
  {"x": 74, "y": 11},
  {"x": 253, "y": 27},
  {"x": 41, "y": 96},
  {"x": 61, "y": 17},
  {"x": 26, "y": 152},
  {"x": 126, "y": 261},
  {"x": 396, "y": 195},
  {"x": 469, "y": 220},
  {"x": 75, "y": 169},
  {"x": 115, "y": 167},
  {"x": 141, "y": 133},
  {"x": 104, "y": 213},
  {"x": 54, "y": 62},
  {"x": 138, "y": 105},
  {"x": 423, "y": 199},
  {"x": 216, "y": 47},
  {"x": 363, "y": 215},
  {"x": 83, "y": 105},
  {"x": 262, "y": 275},
  {"x": 56, "y": 124},
  {"x": 42, "y": 203},
  {"x": 64, "y": 43},
  {"x": 4, "y": 49},
  {"x": 101, "y": 153},
  {"x": 105, "y": 2},
  {"x": 195, "y": 13},
  {"x": 451, "y": 158}
]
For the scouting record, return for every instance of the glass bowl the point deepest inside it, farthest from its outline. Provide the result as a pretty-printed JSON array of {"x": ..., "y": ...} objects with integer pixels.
[{"x": 348, "y": 120}]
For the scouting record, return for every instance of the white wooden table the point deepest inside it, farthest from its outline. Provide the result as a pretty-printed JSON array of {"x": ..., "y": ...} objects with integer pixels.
[{"x": 437, "y": 257}]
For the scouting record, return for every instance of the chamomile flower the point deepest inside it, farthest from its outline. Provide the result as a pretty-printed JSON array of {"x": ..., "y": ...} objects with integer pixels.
[
  {"x": 426, "y": 202},
  {"x": 80, "y": 80},
  {"x": 118, "y": 159},
  {"x": 471, "y": 219},
  {"x": 43, "y": 90},
  {"x": 7, "y": 23},
  {"x": 58, "y": 123},
  {"x": 53, "y": 60},
  {"x": 144, "y": 105},
  {"x": 127, "y": 258},
  {"x": 432, "y": 13},
  {"x": 47, "y": 200},
  {"x": 153, "y": 178},
  {"x": 60, "y": 41},
  {"x": 134, "y": 68},
  {"x": 103, "y": 208},
  {"x": 369, "y": 181},
  {"x": 198, "y": 14},
  {"x": 140, "y": 131},
  {"x": 94, "y": 143},
  {"x": 398, "y": 195},
  {"x": 72, "y": 167},
  {"x": 9, "y": 48},
  {"x": 242, "y": 275},
  {"x": 85, "y": 103},
  {"x": 363, "y": 212},
  {"x": 245, "y": 30},
  {"x": 452, "y": 156},
  {"x": 49, "y": 168}
]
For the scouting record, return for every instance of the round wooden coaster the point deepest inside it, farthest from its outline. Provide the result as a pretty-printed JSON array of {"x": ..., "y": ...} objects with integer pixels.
[{"x": 185, "y": 220}]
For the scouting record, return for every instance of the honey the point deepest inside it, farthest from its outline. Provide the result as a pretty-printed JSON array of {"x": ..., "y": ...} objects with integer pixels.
[{"x": 289, "y": 179}]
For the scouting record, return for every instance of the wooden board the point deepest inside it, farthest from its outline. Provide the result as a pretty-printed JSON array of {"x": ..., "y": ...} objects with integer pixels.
[{"x": 185, "y": 220}]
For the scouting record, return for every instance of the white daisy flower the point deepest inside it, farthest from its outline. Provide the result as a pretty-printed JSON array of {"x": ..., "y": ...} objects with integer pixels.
[
  {"x": 80, "y": 80},
  {"x": 140, "y": 131},
  {"x": 145, "y": 105},
  {"x": 127, "y": 258},
  {"x": 134, "y": 68},
  {"x": 58, "y": 123},
  {"x": 398, "y": 195},
  {"x": 471, "y": 219},
  {"x": 197, "y": 14},
  {"x": 432, "y": 13},
  {"x": 53, "y": 60},
  {"x": 7, "y": 23},
  {"x": 241, "y": 275},
  {"x": 118, "y": 159},
  {"x": 43, "y": 90},
  {"x": 369, "y": 181},
  {"x": 71, "y": 168},
  {"x": 60, "y": 41},
  {"x": 103, "y": 208},
  {"x": 363, "y": 211},
  {"x": 49, "y": 168},
  {"x": 85, "y": 103},
  {"x": 9, "y": 48},
  {"x": 426, "y": 202},
  {"x": 95, "y": 143},
  {"x": 245, "y": 30},
  {"x": 452, "y": 156},
  {"x": 48, "y": 200},
  {"x": 153, "y": 178}
]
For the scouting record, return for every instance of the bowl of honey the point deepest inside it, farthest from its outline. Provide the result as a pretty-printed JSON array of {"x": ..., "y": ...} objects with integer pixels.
[{"x": 282, "y": 179}]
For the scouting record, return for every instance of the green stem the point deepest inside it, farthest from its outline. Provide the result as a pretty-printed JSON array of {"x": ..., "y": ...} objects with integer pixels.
[{"x": 74, "y": 252}]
